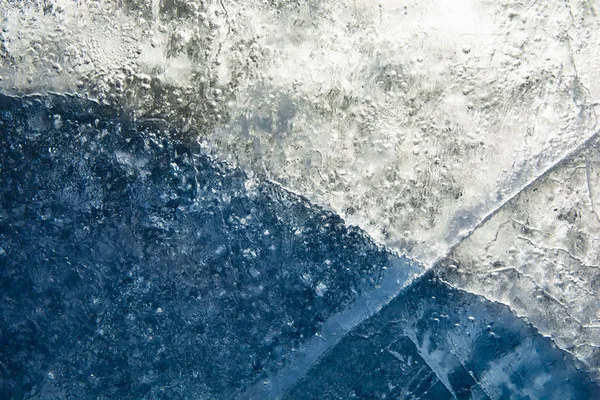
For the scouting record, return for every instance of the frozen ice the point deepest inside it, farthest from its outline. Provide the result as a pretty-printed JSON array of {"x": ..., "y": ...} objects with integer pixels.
[
  {"x": 539, "y": 255},
  {"x": 216, "y": 198},
  {"x": 436, "y": 342},
  {"x": 413, "y": 120},
  {"x": 134, "y": 265}
]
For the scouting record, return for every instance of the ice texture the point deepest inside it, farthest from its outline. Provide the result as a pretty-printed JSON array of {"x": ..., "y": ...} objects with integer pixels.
[
  {"x": 436, "y": 342},
  {"x": 411, "y": 119},
  {"x": 134, "y": 265},
  {"x": 540, "y": 255},
  {"x": 461, "y": 133}
]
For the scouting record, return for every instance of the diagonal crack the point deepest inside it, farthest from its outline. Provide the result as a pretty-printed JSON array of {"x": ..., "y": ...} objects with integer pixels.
[
  {"x": 439, "y": 375},
  {"x": 556, "y": 165},
  {"x": 314, "y": 351}
]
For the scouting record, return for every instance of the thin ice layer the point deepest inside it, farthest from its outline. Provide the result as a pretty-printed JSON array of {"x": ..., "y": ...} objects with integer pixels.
[
  {"x": 135, "y": 266},
  {"x": 410, "y": 119},
  {"x": 437, "y": 342}
]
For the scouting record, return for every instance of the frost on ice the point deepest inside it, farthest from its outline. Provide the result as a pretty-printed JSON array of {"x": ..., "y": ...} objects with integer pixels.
[
  {"x": 412, "y": 120},
  {"x": 539, "y": 255}
]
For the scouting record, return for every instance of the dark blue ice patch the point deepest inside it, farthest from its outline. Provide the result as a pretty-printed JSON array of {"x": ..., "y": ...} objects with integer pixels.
[
  {"x": 133, "y": 265},
  {"x": 436, "y": 342}
]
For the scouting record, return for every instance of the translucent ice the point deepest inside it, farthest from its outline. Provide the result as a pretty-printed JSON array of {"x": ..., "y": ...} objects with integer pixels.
[
  {"x": 412, "y": 120},
  {"x": 539, "y": 255},
  {"x": 436, "y": 342}
]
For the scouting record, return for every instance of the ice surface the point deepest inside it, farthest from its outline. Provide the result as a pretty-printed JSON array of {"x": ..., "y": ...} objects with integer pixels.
[
  {"x": 539, "y": 255},
  {"x": 437, "y": 342},
  {"x": 412, "y": 120},
  {"x": 133, "y": 265},
  {"x": 419, "y": 122}
]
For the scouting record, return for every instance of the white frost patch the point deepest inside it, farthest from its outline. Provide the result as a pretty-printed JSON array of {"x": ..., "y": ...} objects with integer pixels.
[{"x": 401, "y": 116}]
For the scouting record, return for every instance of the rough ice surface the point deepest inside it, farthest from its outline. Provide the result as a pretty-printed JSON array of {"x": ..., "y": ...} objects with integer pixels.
[
  {"x": 412, "y": 120},
  {"x": 135, "y": 266},
  {"x": 539, "y": 255},
  {"x": 462, "y": 134}
]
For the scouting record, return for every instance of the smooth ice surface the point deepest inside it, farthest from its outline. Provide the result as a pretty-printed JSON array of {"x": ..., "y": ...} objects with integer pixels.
[
  {"x": 133, "y": 265},
  {"x": 393, "y": 281},
  {"x": 437, "y": 342}
]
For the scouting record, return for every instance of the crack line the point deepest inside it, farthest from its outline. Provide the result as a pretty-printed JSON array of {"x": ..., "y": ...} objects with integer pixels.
[{"x": 557, "y": 164}]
